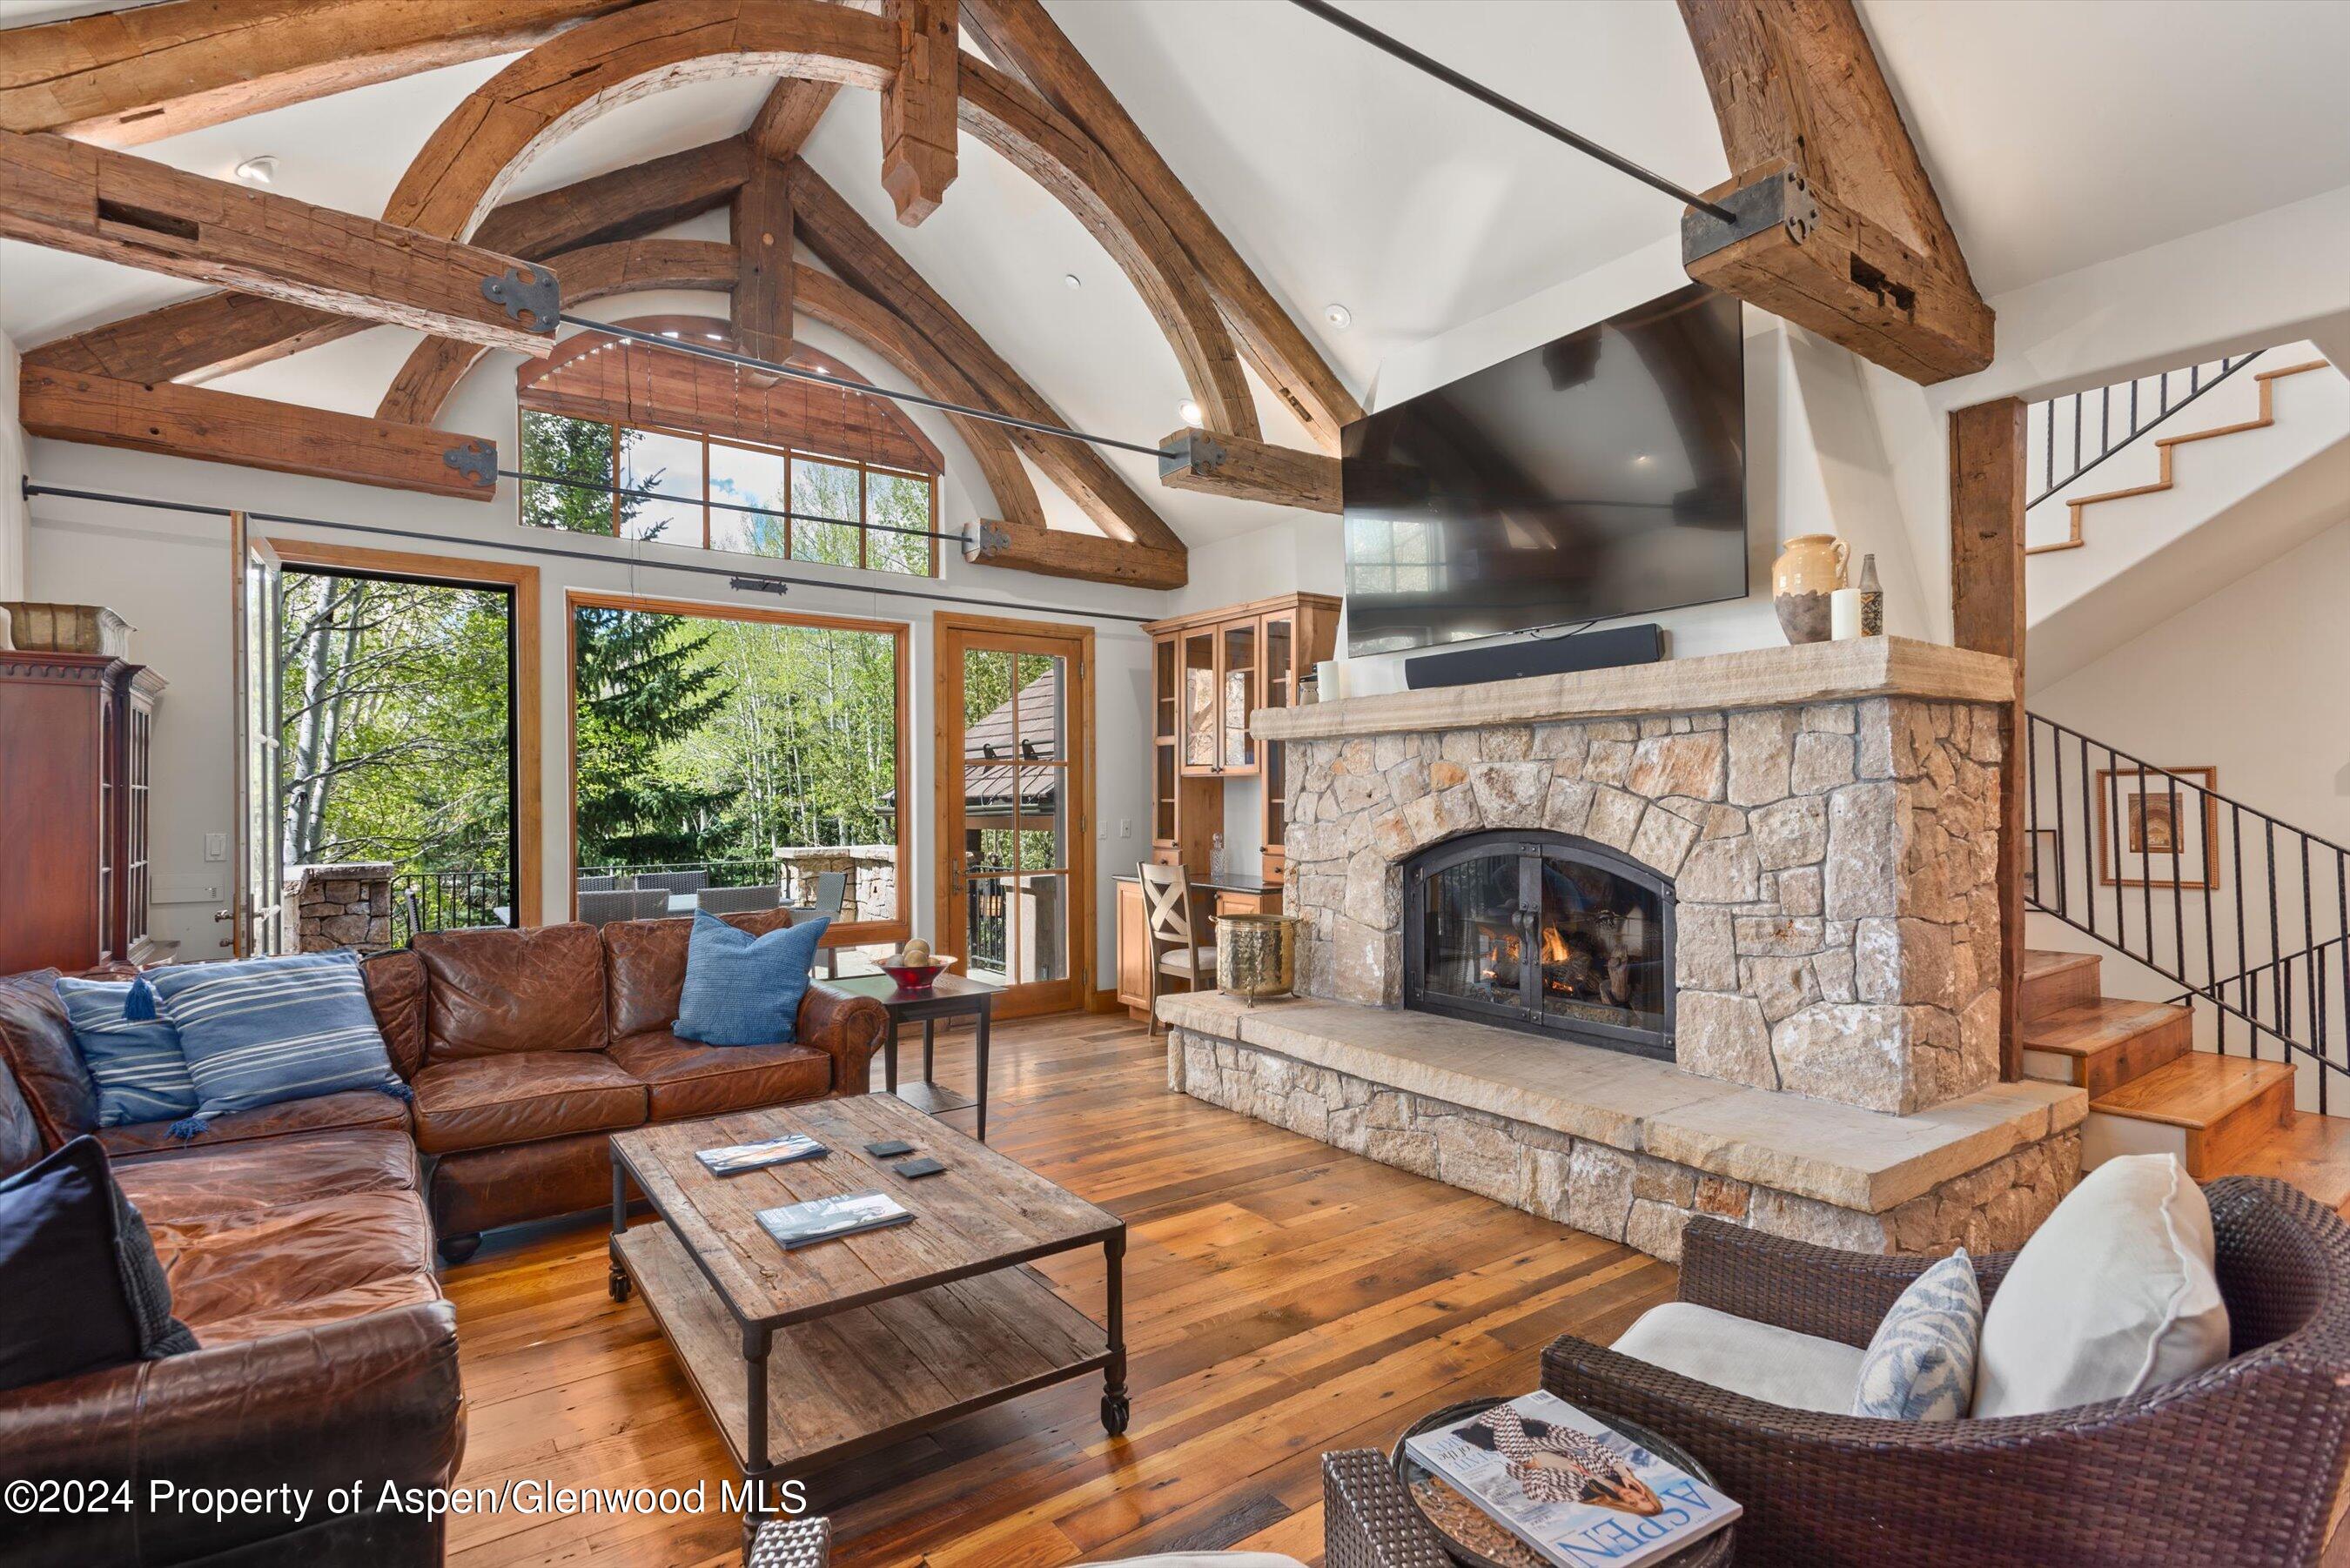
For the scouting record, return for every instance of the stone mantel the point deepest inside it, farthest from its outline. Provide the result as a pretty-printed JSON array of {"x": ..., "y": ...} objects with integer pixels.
[{"x": 1755, "y": 677}]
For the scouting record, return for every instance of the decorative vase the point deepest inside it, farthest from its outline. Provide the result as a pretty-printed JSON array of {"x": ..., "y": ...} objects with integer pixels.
[
  {"x": 1807, "y": 571},
  {"x": 1257, "y": 955}
]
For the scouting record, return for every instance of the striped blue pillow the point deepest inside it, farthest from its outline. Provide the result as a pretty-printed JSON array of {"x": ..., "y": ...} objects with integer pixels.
[
  {"x": 141, "y": 1075},
  {"x": 261, "y": 1031}
]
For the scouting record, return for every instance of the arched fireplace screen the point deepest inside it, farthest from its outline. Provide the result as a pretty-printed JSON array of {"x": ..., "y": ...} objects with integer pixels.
[{"x": 1542, "y": 932}]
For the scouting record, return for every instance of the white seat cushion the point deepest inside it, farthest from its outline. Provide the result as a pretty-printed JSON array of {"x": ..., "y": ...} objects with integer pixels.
[
  {"x": 2114, "y": 1294},
  {"x": 1201, "y": 960},
  {"x": 1777, "y": 1365}
]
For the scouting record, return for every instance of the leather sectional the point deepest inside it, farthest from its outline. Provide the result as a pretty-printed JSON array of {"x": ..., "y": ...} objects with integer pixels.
[{"x": 298, "y": 1238}]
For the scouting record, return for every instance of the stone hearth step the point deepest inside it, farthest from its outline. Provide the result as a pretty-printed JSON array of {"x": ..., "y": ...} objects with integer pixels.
[
  {"x": 2311, "y": 1151},
  {"x": 2055, "y": 980},
  {"x": 2206, "y": 1108},
  {"x": 2102, "y": 1044}
]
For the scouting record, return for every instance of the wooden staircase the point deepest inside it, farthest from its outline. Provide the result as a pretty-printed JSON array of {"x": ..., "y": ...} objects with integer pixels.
[
  {"x": 2164, "y": 446},
  {"x": 2151, "y": 1092}
]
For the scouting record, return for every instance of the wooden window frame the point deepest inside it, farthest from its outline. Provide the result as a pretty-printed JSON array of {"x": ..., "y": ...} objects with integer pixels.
[
  {"x": 849, "y": 933},
  {"x": 790, "y": 454},
  {"x": 530, "y": 817}
]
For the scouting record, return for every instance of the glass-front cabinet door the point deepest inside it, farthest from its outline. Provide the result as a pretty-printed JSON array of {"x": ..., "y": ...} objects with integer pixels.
[
  {"x": 1202, "y": 742},
  {"x": 1236, "y": 673}
]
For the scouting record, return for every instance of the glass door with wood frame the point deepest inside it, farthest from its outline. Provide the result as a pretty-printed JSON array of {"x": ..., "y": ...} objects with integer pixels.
[{"x": 1014, "y": 899}]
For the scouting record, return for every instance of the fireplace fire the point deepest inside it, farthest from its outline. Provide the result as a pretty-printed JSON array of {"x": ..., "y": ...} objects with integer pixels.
[{"x": 1544, "y": 933}]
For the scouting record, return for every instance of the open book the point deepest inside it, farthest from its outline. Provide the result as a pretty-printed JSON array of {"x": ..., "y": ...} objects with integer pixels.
[
  {"x": 1578, "y": 1492},
  {"x": 822, "y": 1219}
]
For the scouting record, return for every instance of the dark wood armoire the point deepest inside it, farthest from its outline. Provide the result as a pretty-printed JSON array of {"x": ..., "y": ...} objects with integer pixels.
[{"x": 76, "y": 730}]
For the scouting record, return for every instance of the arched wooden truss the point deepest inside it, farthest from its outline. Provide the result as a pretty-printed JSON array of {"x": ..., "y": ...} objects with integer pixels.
[
  {"x": 632, "y": 54},
  {"x": 427, "y": 380}
]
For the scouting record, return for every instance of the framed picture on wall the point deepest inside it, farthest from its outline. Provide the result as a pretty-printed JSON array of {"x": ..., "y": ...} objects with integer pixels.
[{"x": 2158, "y": 827}]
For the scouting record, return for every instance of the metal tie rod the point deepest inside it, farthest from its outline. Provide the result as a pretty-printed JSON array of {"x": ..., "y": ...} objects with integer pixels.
[
  {"x": 1511, "y": 106},
  {"x": 768, "y": 367},
  {"x": 596, "y": 488}
]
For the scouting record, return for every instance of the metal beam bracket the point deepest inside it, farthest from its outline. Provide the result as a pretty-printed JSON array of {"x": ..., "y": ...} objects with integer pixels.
[
  {"x": 984, "y": 538},
  {"x": 536, "y": 295},
  {"x": 1784, "y": 198},
  {"x": 476, "y": 460},
  {"x": 1198, "y": 452}
]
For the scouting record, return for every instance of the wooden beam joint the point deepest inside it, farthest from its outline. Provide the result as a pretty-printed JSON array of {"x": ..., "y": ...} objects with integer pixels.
[
  {"x": 1215, "y": 464},
  {"x": 920, "y": 108}
]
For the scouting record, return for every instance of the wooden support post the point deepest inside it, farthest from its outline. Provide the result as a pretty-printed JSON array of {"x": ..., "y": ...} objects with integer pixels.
[
  {"x": 918, "y": 108},
  {"x": 1987, "y": 490},
  {"x": 254, "y": 432},
  {"x": 789, "y": 118},
  {"x": 762, "y": 311},
  {"x": 1060, "y": 552},
  {"x": 1217, "y": 464},
  {"x": 98, "y": 202}
]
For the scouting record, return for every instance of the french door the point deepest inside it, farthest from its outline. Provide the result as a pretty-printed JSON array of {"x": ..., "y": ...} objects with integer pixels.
[
  {"x": 256, "y": 911},
  {"x": 1014, "y": 787}
]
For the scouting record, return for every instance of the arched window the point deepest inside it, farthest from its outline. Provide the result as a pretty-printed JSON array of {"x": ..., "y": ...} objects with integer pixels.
[{"x": 722, "y": 457}]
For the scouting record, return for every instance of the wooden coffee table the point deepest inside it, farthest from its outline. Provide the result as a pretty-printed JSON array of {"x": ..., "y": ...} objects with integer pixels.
[{"x": 876, "y": 1337}]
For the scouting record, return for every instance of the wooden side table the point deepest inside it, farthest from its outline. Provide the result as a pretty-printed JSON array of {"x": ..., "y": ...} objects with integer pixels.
[{"x": 949, "y": 996}]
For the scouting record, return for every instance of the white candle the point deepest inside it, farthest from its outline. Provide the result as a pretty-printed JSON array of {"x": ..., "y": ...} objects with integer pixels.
[
  {"x": 1844, "y": 614},
  {"x": 1329, "y": 680}
]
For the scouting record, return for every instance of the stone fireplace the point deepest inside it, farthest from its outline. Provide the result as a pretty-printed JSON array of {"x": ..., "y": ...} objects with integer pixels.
[{"x": 1573, "y": 916}]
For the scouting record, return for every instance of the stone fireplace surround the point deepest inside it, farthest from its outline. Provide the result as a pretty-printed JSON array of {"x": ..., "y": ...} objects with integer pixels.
[{"x": 1828, "y": 816}]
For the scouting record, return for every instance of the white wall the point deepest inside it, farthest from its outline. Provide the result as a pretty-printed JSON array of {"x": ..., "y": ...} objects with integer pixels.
[{"x": 12, "y": 478}]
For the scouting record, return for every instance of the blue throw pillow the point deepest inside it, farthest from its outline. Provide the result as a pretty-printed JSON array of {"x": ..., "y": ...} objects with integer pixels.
[
  {"x": 263, "y": 1029},
  {"x": 1921, "y": 1365},
  {"x": 80, "y": 1286},
  {"x": 741, "y": 989},
  {"x": 141, "y": 1075}
]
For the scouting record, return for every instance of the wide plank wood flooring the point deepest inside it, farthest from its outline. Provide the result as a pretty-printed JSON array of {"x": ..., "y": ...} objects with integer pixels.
[{"x": 1283, "y": 1298}]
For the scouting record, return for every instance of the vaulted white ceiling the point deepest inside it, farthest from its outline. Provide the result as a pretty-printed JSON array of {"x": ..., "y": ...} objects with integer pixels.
[{"x": 2058, "y": 135}]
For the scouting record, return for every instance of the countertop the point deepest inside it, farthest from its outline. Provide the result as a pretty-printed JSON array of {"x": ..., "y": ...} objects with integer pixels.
[{"x": 1231, "y": 882}]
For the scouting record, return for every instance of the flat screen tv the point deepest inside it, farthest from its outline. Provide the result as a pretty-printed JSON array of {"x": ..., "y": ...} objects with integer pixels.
[{"x": 1599, "y": 476}]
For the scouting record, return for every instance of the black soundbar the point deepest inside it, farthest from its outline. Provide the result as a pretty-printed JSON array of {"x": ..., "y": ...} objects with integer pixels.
[{"x": 1642, "y": 644}]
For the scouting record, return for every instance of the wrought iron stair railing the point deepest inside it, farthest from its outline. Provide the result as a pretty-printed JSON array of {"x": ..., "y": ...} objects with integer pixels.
[
  {"x": 2087, "y": 421},
  {"x": 2246, "y": 913}
]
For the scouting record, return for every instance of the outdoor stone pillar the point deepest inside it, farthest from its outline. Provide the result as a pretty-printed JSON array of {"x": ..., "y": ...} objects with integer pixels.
[{"x": 341, "y": 905}]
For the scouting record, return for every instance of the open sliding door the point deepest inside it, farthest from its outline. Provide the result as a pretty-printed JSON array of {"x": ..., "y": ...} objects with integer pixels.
[{"x": 256, "y": 914}]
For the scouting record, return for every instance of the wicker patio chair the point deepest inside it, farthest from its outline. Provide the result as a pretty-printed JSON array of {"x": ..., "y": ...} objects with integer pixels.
[
  {"x": 674, "y": 881},
  {"x": 738, "y": 900}
]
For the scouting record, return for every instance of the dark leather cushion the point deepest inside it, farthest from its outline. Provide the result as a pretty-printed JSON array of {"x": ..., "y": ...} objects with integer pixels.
[
  {"x": 495, "y": 992},
  {"x": 36, "y": 1047},
  {"x": 80, "y": 1286},
  {"x": 687, "y": 1079},
  {"x": 644, "y": 964},
  {"x": 353, "y": 1108},
  {"x": 395, "y": 990},
  {"x": 20, "y": 1134},
  {"x": 485, "y": 1101}
]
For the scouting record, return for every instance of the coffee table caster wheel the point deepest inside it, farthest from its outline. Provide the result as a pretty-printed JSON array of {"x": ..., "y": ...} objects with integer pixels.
[
  {"x": 618, "y": 1283},
  {"x": 1114, "y": 1413}
]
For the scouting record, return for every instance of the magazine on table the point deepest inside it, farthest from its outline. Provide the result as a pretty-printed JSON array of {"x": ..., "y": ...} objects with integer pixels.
[
  {"x": 734, "y": 1159},
  {"x": 798, "y": 1225},
  {"x": 1580, "y": 1493}
]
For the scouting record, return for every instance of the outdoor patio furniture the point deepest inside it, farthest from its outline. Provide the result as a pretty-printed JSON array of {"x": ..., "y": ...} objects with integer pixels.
[
  {"x": 600, "y": 884},
  {"x": 622, "y": 903},
  {"x": 674, "y": 881},
  {"x": 737, "y": 900},
  {"x": 830, "y": 898}
]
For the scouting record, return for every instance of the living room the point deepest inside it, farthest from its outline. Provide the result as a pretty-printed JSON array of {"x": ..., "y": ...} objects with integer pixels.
[{"x": 1614, "y": 703}]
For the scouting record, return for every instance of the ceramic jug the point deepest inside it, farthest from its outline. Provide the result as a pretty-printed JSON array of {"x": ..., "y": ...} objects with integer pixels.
[{"x": 1808, "y": 570}]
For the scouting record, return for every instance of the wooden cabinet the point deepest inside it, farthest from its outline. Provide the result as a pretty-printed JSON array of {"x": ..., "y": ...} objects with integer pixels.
[
  {"x": 74, "y": 782},
  {"x": 1133, "y": 947}
]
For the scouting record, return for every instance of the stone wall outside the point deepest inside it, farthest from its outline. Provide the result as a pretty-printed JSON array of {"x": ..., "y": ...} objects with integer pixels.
[
  {"x": 340, "y": 905},
  {"x": 1835, "y": 868},
  {"x": 1636, "y": 1198}
]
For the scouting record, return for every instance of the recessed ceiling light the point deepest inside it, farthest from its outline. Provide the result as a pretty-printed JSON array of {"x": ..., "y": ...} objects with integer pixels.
[
  {"x": 1338, "y": 316},
  {"x": 1073, "y": 280},
  {"x": 715, "y": 337},
  {"x": 1644, "y": 458},
  {"x": 671, "y": 332},
  {"x": 261, "y": 170},
  {"x": 1189, "y": 413}
]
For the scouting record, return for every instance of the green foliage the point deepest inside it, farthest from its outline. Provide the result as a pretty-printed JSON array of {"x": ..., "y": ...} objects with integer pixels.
[
  {"x": 571, "y": 448},
  {"x": 645, "y": 682}
]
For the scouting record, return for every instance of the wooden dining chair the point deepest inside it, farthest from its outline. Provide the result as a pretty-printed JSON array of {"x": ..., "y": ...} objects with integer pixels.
[{"x": 1167, "y": 922}]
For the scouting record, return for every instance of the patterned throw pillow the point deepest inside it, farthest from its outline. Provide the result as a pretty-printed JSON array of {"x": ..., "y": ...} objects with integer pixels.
[
  {"x": 1921, "y": 1365},
  {"x": 261, "y": 1031},
  {"x": 141, "y": 1075}
]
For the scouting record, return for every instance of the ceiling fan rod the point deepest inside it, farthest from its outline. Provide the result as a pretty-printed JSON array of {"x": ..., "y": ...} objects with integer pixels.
[
  {"x": 768, "y": 367},
  {"x": 1511, "y": 106}
]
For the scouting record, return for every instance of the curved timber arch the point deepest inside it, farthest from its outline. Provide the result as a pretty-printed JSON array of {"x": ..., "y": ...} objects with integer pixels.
[
  {"x": 630, "y": 54},
  {"x": 430, "y": 377}
]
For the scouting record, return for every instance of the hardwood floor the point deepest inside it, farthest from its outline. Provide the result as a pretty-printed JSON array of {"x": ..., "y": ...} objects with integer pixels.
[{"x": 1284, "y": 1298}]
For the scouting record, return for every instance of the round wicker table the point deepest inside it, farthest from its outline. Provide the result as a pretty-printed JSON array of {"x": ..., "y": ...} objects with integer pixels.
[{"x": 1494, "y": 1548}]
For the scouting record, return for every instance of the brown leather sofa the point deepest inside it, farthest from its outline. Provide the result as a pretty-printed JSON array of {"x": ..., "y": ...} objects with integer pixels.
[{"x": 303, "y": 1261}]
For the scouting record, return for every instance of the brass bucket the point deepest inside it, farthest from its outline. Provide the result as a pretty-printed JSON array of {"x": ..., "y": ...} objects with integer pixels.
[{"x": 1257, "y": 955}]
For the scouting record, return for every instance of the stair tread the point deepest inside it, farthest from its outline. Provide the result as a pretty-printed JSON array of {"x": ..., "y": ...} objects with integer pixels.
[
  {"x": 2311, "y": 1151},
  {"x": 2199, "y": 1090},
  {"x": 2089, "y": 1027}
]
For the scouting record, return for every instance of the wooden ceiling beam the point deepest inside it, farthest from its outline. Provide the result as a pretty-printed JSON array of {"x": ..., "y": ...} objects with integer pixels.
[
  {"x": 1216, "y": 465},
  {"x": 116, "y": 207},
  {"x": 1022, "y": 37},
  {"x": 789, "y": 118},
  {"x": 216, "y": 333},
  {"x": 1062, "y": 553},
  {"x": 850, "y": 246},
  {"x": 918, "y": 108},
  {"x": 254, "y": 433},
  {"x": 140, "y": 73},
  {"x": 761, "y": 304},
  {"x": 1840, "y": 229}
]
